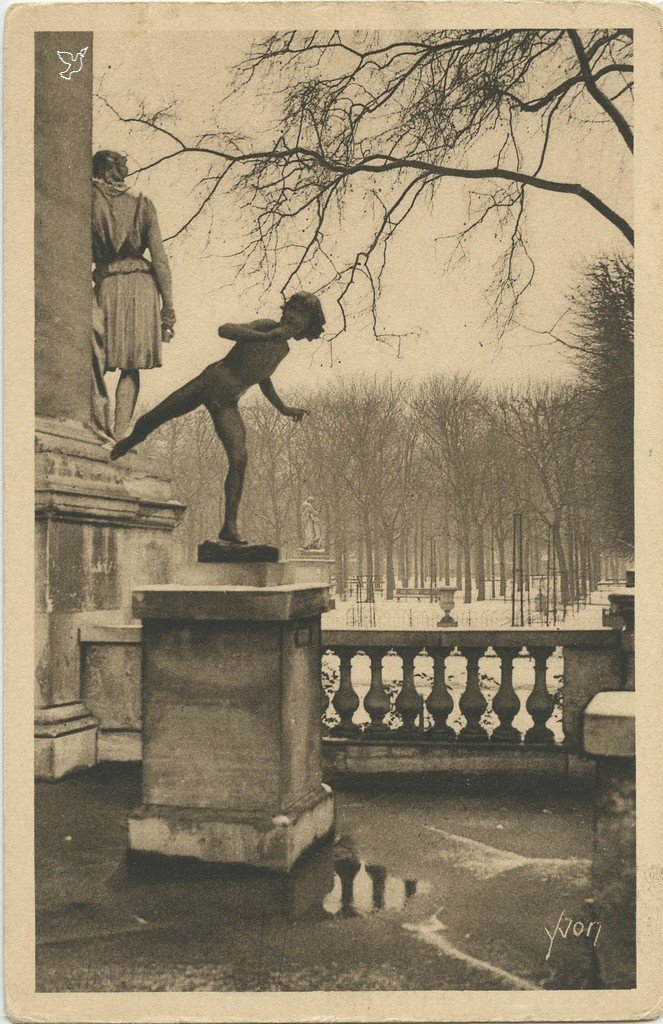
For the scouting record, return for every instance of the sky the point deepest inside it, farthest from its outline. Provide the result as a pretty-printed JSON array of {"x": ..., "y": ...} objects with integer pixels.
[{"x": 439, "y": 309}]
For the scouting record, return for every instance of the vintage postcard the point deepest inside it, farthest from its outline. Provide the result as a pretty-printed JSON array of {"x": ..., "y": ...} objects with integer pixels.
[{"x": 334, "y": 439}]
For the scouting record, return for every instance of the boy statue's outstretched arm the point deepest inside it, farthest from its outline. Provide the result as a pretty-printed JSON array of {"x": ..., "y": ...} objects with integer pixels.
[
  {"x": 270, "y": 394},
  {"x": 257, "y": 330}
]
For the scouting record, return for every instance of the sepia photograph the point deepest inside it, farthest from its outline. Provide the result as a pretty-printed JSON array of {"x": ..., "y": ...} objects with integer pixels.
[{"x": 334, "y": 490}]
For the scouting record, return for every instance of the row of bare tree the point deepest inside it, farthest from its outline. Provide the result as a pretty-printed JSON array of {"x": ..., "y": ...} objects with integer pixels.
[{"x": 393, "y": 466}]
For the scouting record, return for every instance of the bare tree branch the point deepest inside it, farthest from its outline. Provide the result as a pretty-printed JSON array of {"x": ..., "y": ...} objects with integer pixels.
[
  {"x": 603, "y": 101},
  {"x": 393, "y": 120}
]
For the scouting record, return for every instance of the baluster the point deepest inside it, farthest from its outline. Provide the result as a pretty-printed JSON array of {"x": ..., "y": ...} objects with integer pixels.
[
  {"x": 393, "y": 688},
  {"x": 409, "y": 703},
  {"x": 346, "y": 700},
  {"x": 472, "y": 702},
  {"x": 347, "y": 870},
  {"x": 506, "y": 703},
  {"x": 378, "y": 876},
  {"x": 376, "y": 700},
  {"x": 326, "y": 696},
  {"x": 440, "y": 702},
  {"x": 540, "y": 703}
]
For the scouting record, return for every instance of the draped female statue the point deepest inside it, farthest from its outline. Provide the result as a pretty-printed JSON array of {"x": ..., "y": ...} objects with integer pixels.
[
  {"x": 311, "y": 530},
  {"x": 134, "y": 296}
]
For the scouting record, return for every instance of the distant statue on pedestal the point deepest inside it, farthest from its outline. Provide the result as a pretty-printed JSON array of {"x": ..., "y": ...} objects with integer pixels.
[{"x": 311, "y": 530}]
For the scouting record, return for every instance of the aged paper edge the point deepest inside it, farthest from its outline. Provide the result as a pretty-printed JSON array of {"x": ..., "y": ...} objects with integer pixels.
[{"x": 22, "y": 1002}]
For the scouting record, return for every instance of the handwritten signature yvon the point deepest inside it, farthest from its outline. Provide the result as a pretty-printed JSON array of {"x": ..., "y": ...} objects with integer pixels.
[{"x": 576, "y": 928}]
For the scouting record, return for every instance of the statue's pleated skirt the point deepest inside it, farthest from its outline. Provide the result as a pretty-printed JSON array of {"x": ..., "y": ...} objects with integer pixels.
[{"x": 132, "y": 321}]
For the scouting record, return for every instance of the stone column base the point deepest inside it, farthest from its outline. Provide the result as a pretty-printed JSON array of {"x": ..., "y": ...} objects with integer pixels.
[
  {"x": 65, "y": 740},
  {"x": 213, "y": 835}
]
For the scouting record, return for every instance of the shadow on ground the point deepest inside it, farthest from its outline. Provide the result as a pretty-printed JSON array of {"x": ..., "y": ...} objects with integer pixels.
[{"x": 432, "y": 888}]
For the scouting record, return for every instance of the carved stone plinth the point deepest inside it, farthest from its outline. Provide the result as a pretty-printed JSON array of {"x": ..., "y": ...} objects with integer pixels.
[
  {"x": 219, "y": 551},
  {"x": 312, "y": 565},
  {"x": 231, "y": 729},
  {"x": 101, "y": 528}
]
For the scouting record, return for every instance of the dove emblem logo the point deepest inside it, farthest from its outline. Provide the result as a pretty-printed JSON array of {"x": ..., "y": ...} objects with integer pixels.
[{"x": 74, "y": 63}]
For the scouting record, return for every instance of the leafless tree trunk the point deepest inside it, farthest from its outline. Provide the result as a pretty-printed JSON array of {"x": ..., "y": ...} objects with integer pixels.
[
  {"x": 479, "y": 571},
  {"x": 467, "y": 564},
  {"x": 390, "y": 581},
  {"x": 502, "y": 563}
]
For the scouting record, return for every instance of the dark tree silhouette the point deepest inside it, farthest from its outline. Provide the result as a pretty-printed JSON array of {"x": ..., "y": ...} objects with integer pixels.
[
  {"x": 602, "y": 347},
  {"x": 364, "y": 124}
]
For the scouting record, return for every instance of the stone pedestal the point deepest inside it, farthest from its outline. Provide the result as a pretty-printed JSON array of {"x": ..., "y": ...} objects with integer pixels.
[
  {"x": 100, "y": 530},
  {"x": 609, "y": 736},
  {"x": 231, "y": 727},
  {"x": 312, "y": 566}
]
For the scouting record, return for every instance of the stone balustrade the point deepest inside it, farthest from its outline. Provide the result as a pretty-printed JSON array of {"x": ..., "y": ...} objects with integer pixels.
[
  {"x": 411, "y": 700},
  {"x": 505, "y": 687}
]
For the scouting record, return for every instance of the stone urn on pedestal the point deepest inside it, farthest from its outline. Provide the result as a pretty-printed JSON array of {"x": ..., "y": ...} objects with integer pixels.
[{"x": 445, "y": 598}]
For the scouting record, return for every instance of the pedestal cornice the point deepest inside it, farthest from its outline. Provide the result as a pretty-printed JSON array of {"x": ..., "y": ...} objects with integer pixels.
[
  {"x": 76, "y": 481},
  {"x": 231, "y": 603}
]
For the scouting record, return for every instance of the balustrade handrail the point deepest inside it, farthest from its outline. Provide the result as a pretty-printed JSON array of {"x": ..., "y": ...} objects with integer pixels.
[{"x": 504, "y": 636}]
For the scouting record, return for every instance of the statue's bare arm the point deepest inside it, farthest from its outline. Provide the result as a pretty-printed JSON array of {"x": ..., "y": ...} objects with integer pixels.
[
  {"x": 269, "y": 391},
  {"x": 257, "y": 330}
]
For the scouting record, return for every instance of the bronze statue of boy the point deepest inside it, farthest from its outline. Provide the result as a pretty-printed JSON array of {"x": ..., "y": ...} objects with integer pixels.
[{"x": 259, "y": 348}]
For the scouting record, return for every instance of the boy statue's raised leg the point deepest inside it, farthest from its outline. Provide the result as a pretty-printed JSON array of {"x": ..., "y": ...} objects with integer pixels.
[{"x": 182, "y": 401}]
